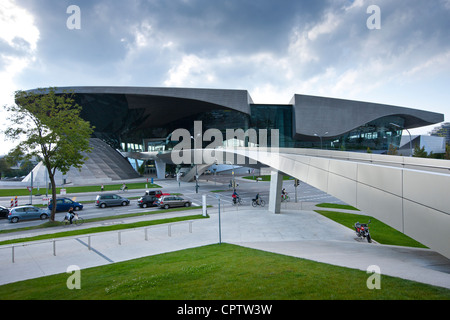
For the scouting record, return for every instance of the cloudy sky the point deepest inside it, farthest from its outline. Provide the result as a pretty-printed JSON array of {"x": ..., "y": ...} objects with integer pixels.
[{"x": 272, "y": 48}]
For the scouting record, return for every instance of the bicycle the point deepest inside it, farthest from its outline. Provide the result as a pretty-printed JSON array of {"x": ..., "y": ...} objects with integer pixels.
[
  {"x": 284, "y": 197},
  {"x": 237, "y": 201},
  {"x": 77, "y": 220},
  {"x": 258, "y": 202}
]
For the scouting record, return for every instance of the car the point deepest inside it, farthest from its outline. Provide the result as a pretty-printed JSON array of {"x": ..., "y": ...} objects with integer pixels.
[
  {"x": 147, "y": 201},
  {"x": 156, "y": 193},
  {"x": 27, "y": 213},
  {"x": 110, "y": 199},
  {"x": 167, "y": 202},
  {"x": 4, "y": 212},
  {"x": 64, "y": 204}
]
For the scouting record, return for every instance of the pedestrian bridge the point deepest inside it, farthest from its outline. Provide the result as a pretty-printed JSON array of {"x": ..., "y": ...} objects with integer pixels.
[{"x": 409, "y": 194}]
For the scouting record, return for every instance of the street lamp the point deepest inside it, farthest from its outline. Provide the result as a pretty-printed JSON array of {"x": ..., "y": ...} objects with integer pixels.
[
  {"x": 410, "y": 140},
  {"x": 196, "y": 170},
  {"x": 232, "y": 172},
  {"x": 321, "y": 138}
]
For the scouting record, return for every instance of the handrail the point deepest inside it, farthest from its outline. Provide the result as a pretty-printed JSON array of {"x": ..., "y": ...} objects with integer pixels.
[{"x": 88, "y": 236}]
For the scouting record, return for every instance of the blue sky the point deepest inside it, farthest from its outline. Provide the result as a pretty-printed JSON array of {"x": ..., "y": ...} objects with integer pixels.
[{"x": 271, "y": 48}]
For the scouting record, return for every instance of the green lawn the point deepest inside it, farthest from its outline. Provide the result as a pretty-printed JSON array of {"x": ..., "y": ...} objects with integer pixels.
[
  {"x": 379, "y": 231},
  {"x": 336, "y": 206},
  {"x": 218, "y": 272}
]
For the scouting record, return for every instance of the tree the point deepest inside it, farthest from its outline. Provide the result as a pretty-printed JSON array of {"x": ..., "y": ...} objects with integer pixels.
[
  {"x": 50, "y": 128},
  {"x": 420, "y": 152},
  {"x": 392, "y": 150}
]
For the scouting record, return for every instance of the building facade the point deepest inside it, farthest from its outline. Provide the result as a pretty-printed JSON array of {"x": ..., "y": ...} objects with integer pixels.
[{"x": 137, "y": 118}]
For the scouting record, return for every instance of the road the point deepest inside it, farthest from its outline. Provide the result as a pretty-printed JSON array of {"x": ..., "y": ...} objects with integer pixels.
[{"x": 212, "y": 186}]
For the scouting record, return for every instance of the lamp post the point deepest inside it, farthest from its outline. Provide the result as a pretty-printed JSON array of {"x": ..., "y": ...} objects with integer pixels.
[
  {"x": 196, "y": 169},
  {"x": 410, "y": 140},
  {"x": 232, "y": 172},
  {"x": 196, "y": 179},
  {"x": 320, "y": 137}
]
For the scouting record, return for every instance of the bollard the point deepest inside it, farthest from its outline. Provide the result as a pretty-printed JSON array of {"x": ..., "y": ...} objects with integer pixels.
[
  {"x": 120, "y": 240},
  {"x": 89, "y": 243},
  {"x": 12, "y": 249},
  {"x": 54, "y": 247},
  {"x": 190, "y": 226},
  {"x": 169, "y": 227},
  {"x": 146, "y": 235}
]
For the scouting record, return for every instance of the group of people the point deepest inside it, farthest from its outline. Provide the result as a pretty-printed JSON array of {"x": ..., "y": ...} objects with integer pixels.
[{"x": 235, "y": 197}]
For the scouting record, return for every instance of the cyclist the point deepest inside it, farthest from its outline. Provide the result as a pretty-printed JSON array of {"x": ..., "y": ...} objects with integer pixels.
[
  {"x": 283, "y": 194},
  {"x": 235, "y": 197},
  {"x": 257, "y": 198},
  {"x": 70, "y": 214}
]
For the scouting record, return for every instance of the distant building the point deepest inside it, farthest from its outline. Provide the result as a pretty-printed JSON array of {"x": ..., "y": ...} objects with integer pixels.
[
  {"x": 430, "y": 144},
  {"x": 442, "y": 131}
]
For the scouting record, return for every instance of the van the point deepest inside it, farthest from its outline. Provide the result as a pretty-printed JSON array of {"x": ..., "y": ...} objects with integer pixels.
[{"x": 110, "y": 200}]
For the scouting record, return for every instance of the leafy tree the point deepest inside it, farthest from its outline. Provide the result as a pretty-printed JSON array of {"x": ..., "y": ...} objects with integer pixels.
[
  {"x": 420, "y": 152},
  {"x": 49, "y": 128},
  {"x": 392, "y": 150}
]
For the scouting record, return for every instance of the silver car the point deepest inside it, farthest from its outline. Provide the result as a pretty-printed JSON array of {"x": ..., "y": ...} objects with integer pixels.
[
  {"x": 109, "y": 200},
  {"x": 167, "y": 202},
  {"x": 27, "y": 213}
]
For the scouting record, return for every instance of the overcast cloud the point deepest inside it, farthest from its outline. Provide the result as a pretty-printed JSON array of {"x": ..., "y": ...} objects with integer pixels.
[{"x": 271, "y": 48}]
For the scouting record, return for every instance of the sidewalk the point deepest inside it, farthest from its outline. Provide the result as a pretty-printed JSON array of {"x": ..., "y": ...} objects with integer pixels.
[{"x": 298, "y": 233}]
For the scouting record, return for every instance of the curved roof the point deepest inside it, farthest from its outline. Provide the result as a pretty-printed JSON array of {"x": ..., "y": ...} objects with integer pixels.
[
  {"x": 315, "y": 115},
  {"x": 238, "y": 100}
]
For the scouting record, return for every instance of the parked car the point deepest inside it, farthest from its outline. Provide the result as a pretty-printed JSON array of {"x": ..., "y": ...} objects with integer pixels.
[
  {"x": 147, "y": 201},
  {"x": 4, "y": 212},
  {"x": 27, "y": 213},
  {"x": 109, "y": 200},
  {"x": 64, "y": 204},
  {"x": 172, "y": 201},
  {"x": 156, "y": 193}
]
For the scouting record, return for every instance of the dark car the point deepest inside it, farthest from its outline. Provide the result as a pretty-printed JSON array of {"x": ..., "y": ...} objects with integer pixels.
[
  {"x": 64, "y": 204},
  {"x": 4, "y": 212},
  {"x": 147, "y": 201},
  {"x": 167, "y": 202}
]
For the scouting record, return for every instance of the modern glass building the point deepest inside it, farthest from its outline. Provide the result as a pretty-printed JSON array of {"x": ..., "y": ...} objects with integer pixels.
[
  {"x": 130, "y": 118},
  {"x": 142, "y": 119}
]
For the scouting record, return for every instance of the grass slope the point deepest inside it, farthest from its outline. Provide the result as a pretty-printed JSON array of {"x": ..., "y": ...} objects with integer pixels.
[
  {"x": 218, "y": 272},
  {"x": 379, "y": 231}
]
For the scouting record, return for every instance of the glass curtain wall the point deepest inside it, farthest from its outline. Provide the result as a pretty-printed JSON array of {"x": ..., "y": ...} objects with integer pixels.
[{"x": 274, "y": 117}]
